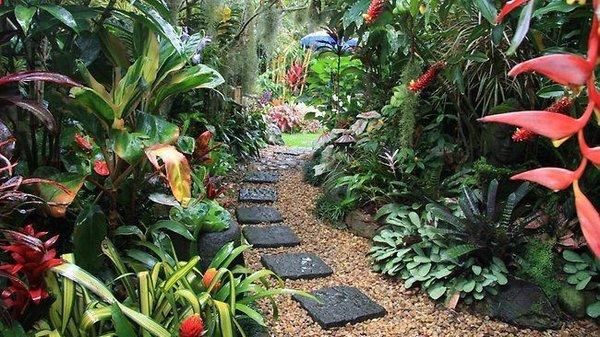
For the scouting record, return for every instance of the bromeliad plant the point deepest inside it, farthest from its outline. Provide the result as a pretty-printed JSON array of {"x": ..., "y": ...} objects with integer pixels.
[
  {"x": 572, "y": 71},
  {"x": 165, "y": 299}
]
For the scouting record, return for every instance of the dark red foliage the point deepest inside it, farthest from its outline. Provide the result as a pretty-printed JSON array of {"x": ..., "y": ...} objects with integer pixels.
[
  {"x": 202, "y": 150},
  {"x": 212, "y": 192},
  {"x": 31, "y": 257}
]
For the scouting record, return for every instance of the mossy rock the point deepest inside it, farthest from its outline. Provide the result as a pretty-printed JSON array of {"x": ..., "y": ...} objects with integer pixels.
[
  {"x": 572, "y": 301},
  {"x": 522, "y": 304}
]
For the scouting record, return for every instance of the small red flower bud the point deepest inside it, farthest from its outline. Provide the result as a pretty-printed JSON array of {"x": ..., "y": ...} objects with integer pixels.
[
  {"x": 208, "y": 277},
  {"x": 83, "y": 143},
  {"x": 191, "y": 327},
  {"x": 523, "y": 135},
  {"x": 101, "y": 168}
]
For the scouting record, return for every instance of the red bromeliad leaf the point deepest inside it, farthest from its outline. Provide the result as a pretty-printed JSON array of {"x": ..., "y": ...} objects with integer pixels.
[
  {"x": 549, "y": 124},
  {"x": 27, "y": 76},
  {"x": 593, "y": 154},
  {"x": 554, "y": 178},
  {"x": 565, "y": 69},
  {"x": 589, "y": 219},
  {"x": 177, "y": 167},
  {"x": 509, "y": 7}
]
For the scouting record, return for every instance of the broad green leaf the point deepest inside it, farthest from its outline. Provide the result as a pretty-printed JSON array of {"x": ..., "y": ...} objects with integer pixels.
[
  {"x": 173, "y": 226},
  {"x": 95, "y": 103},
  {"x": 555, "y": 6},
  {"x": 593, "y": 310},
  {"x": 571, "y": 256},
  {"x": 195, "y": 77},
  {"x": 158, "y": 129},
  {"x": 355, "y": 13},
  {"x": 129, "y": 146},
  {"x": 488, "y": 10},
  {"x": 156, "y": 22},
  {"x": 24, "y": 16},
  {"x": 61, "y": 14},
  {"x": 436, "y": 291},
  {"x": 91, "y": 228}
]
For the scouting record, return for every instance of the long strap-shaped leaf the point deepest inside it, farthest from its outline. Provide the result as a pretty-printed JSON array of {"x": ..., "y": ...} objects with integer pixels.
[{"x": 513, "y": 199}]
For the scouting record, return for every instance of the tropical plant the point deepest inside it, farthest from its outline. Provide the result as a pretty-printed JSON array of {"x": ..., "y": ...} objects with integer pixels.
[
  {"x": 486, "y": 228},
  {"x": 418, "y": 253},
  {"x": 158, "y": 300},
  {"x": 569, "y": 70},
  {"x": 583, "y": 272}
]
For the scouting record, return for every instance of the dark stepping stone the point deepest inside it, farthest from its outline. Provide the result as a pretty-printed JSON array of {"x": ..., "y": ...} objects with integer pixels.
[
  {"x": 258, "y": 214},
  {"x": 340, "y": 305},
  {"x": 258, "y": 195},
  {"x": 271, "y": 236},
  {"x": 294, "y": 151},
  {"x": 296, "y": 266},
  {"x": 261, "y": 177}
]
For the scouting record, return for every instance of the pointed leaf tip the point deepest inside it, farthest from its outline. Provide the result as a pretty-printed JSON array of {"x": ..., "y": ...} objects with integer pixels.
[
  {"x": 589, "y": 219},
  {"x": 565, "y": 69}
]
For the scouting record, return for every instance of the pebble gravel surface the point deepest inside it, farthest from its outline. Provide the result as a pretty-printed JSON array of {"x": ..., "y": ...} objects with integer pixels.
[{"x": 410, "y": 313}]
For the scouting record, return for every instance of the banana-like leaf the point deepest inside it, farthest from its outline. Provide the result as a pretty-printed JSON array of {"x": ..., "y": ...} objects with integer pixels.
[
  {"x": 155, "y": 21},
  {"x": 196, "y": 77},
  {"x": 177, "y": 167},
  {"x": 95, "y": 103},
  {"x": 61, "y": 14}
]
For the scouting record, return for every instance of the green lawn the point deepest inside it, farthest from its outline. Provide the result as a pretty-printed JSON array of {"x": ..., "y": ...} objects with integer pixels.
[{"x": 300, "y": 139}]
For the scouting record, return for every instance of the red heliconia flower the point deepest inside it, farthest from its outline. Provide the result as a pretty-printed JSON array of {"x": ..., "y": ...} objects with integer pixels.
[
  {"x": 428, "y": 77},
  {"x": 375, "y": 9},
  {"x": 193, "y": 326},
  {"x": 101, "y": 167},
  {"x": 32, "y": 258},
  {"x": 573, "y": 71},
  {"x": 83, "y": 143}
]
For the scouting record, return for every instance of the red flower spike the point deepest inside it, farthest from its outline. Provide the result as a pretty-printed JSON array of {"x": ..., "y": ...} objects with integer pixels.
[
  {"x": 509, "y": 7},
  {"x": 562, "y": 106},
  {"x": 193, "y": 326},
  {"x": 425, "y": 80},
  {"x": 565, "y": 69},
  {"x": 375, "y": 9},
  {"x": 553, "y": 178},
  {"x": 523, "y": 135},
  {"x": 589, "y": 219},
  {"x": 101, "y": 167},
  {"x": 553, "y": 125},
  {"x": 83, "y": 143}
]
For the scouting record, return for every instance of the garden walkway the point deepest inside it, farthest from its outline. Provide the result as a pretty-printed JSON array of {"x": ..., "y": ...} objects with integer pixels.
[{"x": 276, "y": 209}]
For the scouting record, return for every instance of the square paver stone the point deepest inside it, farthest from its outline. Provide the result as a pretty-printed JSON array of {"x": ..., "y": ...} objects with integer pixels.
[
  {"x": 340, "y": 305},
  {"x": 258, "y": 214},
  {"x": 258, "y": 195},
  {"x": 271, "y": 236},
  {"x": 295, "y": 266},
  {"x": 261, "y": 177}
]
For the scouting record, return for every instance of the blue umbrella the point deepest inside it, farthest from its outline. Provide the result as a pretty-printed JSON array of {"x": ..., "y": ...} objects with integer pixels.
[{"x": 321, "y": 38}]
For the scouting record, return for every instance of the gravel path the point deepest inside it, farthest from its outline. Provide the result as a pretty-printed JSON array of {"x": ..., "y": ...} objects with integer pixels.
[{"x": 410, "y": 313}]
